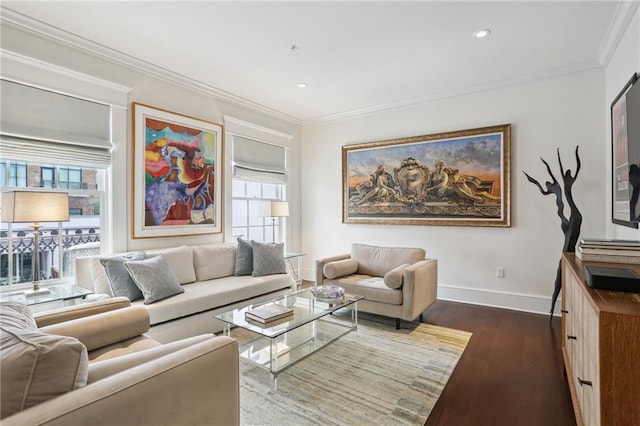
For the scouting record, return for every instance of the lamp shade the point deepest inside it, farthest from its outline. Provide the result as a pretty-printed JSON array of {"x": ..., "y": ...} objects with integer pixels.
[
  {"x": 35, "y": 206},
  {"x": 280, "y": 209}
]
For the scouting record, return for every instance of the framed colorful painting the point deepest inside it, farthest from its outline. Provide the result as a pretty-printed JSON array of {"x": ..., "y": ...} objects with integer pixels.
[
  {"x": 459, "y": 178},
  {"x": 177, "y": 174}
]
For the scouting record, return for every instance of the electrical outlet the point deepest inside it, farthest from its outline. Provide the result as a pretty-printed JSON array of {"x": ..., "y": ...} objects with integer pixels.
[{"x": 500, "y": 272}]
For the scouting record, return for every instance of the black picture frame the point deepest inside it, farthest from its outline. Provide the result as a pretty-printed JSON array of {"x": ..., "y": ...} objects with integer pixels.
[{"x": 620, "y": 185}]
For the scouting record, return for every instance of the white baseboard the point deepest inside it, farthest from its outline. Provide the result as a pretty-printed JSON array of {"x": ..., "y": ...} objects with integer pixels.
[
  {"x": 495, "y": 299},
  {"x": 498, "y": 299}
]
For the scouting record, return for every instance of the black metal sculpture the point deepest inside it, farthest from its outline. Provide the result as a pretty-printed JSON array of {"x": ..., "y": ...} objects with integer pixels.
[{"x": 570, "y": 227}]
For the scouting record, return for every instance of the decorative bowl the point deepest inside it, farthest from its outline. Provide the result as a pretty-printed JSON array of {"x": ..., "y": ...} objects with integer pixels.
[{"x": 327, "y": 292}]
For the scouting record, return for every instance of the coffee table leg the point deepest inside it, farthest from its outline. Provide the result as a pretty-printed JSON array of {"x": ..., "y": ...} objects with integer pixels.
[
  {"x": 354, "y": 316},
  {"x": 227, "y": 329}
]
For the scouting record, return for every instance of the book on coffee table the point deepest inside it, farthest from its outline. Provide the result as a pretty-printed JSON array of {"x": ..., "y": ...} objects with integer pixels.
[{"x": 268, "y": 313}]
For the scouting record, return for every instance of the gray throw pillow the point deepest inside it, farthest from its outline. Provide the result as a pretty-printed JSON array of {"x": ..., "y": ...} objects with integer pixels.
[
  {"x": 244, "y": 258},
  {"x": 268, "y": 259},
  {"x": 155, "y": 278},
  {"x": 119, "y": 279}
]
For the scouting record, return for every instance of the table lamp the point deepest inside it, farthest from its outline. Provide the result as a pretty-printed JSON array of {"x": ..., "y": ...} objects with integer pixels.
[
  {"x": 278, "y": 209},
  {"x": 35, "y": 207}
]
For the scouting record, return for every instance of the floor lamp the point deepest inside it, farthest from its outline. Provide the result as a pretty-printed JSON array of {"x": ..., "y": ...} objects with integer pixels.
[
  {"x": 35, "y": 207},
  {"x": 278, "y": 209}
]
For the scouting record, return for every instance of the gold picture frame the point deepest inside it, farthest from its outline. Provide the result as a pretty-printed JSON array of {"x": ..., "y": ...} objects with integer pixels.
[{"x": 459, "y": 178}]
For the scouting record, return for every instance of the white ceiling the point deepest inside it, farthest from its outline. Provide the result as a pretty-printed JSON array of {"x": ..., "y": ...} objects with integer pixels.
[{"x": 355, "y": 56}]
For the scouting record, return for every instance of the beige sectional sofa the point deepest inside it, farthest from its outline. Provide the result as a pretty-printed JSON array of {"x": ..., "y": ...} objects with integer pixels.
[
  {"x": 206, "y": 273},
  {"x": 93, "y": 364}
]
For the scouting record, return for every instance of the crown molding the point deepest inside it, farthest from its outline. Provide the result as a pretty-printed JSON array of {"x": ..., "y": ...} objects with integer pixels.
[
  {"x": 41, "y": 29},
  {"x": 499, "y": 84},
  {"x": 236, "y": 125},
  {"x": 43, "y": 75},
  {"x": 621, "y": 19}
]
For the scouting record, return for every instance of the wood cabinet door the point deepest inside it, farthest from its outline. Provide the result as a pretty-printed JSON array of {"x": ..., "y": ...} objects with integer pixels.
[{"x": 590, "y": 373}]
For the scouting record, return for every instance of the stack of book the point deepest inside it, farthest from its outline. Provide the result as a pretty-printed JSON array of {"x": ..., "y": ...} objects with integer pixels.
[
  {"x": 612, "y": 251},
  {"x": 268, "y": 313}
]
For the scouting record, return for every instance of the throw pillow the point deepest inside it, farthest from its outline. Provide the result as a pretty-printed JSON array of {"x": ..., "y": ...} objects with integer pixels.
[
  {"x": 154, "y": 277},
  {"x": 268, "y": 258},
  {"x": 244, "y": 258},
  {"x": 340, "y": 268},
  {"x": 393, "y": 278},
  {"x": 99, "y": 277},
  {"x": 213, "y": 261},
  {"x": 38, "y": 366},
  {"x": 119, "y": 279},
  {"x": 17, "y": 315},
  {"x": 181, "y": 261}
]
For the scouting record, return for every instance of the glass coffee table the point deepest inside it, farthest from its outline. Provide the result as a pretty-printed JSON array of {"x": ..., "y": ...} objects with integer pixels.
[{"x": 278, "y": 345}]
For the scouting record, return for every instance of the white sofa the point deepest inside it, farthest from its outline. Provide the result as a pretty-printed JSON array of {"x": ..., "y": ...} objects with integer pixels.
[{"x": 206, "y": 273}]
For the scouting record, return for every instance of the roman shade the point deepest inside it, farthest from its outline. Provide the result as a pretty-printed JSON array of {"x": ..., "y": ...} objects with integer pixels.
[
  {"x": 258, "y": 161},
  {"x": 44, "y": 126}
]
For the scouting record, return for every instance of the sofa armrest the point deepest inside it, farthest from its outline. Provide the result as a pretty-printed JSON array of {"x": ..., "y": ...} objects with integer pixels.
[
  {"x": 102, "y": 369},
  {"x": 195, "y": 385},
  {"x": 103, "y": 329},
  {"x": 67, "y": 313},
  {"x": 419, "y": 288},
  {"x": 321, "y": 262}
]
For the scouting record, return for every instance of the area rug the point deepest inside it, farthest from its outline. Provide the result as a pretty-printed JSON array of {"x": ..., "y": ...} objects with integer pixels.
[{"x": 373, "y": 376}]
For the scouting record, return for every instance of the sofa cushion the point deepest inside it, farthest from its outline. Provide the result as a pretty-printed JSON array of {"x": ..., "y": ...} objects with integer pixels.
[
  {"x": 339, "y": 268},
  {"x": 119, "y": 279},
  {"x": 99, "y": 277},
  {"x": 17, "y": 315},
  {"x": 36, "y": 366},
  {"x": 181, "y": 261},
  {"x": 377, "y": 261},
  {"x": 268, "y": 258},
  {"x": 154, "y": 277},
  {"x": 372, "y": 288},
  {"x": 393, "y": 278},
  {"x": 244, "y": 258},
  {"x": 206, "y": 295},
  {"x": 214, "y": 260}
]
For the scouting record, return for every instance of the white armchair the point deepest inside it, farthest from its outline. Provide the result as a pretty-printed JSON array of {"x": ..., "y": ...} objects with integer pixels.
[{"x": 397, "y": 282}]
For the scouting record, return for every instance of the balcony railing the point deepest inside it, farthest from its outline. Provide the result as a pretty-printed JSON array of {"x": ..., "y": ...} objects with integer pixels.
[{"x": 19, "y": 246}]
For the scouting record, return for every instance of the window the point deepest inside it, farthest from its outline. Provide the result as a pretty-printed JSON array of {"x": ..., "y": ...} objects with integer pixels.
[
  {"x": 251, "y": 207},
  {"x": 53, "y": 141},
  {"x": 59, "y": 243},
  {"x": 70, "y": 178},
  {"x": 17, "y": 174},
  {"x": 259, "y": 178},
  {"x": 47, "y": 177}
]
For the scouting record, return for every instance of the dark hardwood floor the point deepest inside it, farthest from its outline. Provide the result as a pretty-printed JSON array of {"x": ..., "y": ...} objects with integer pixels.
[{"x": 511, "y": 372}]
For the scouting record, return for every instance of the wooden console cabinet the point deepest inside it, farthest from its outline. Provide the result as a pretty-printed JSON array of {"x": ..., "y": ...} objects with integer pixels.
[{"x": 601, "y": 348}]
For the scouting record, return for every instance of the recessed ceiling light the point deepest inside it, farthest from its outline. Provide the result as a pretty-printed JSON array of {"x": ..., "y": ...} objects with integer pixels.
[
  {"x": 482, "y": 33},
  {"x": 302, "y": 85}
]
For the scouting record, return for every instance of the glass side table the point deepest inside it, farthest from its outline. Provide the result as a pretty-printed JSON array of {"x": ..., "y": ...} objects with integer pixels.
[
  {"x": 294, "y": 266},
  {"x": 57, "y": 293}
]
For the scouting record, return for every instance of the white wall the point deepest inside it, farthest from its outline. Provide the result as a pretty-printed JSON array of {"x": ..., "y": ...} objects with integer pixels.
[
  {"x": 624, "y": 62},
  {"x": 545, "y": 115},
  {"x": 159, "y": 93}
]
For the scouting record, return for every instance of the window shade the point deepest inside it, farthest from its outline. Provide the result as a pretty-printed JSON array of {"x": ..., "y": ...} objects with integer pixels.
[
  {"x": 258, "y": 161},
  {"x": 40, "y": 125}
]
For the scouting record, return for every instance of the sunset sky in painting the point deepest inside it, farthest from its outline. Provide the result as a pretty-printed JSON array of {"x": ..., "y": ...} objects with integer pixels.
[{"x": 478, "y": 156}]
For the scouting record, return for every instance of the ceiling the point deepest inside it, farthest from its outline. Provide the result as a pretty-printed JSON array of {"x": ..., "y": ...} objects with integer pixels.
[{"x": 355, "y": 56}]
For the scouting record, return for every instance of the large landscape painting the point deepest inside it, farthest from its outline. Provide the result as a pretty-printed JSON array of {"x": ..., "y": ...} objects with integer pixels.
[{"x": 454, "y": 178}]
